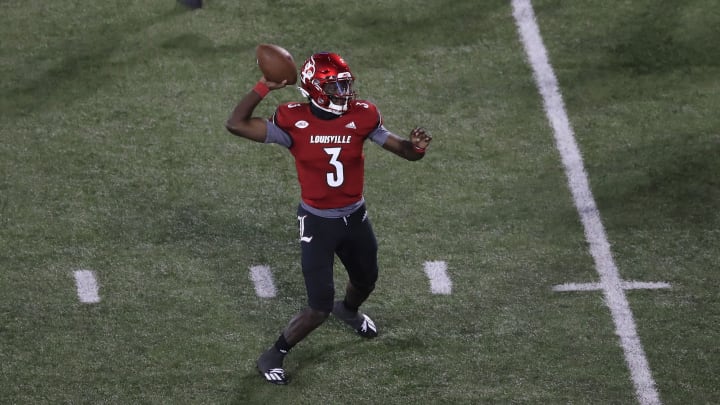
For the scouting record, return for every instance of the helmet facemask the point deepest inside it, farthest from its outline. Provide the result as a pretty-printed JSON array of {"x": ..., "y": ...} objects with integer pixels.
[{"x": 339, "y": 93}]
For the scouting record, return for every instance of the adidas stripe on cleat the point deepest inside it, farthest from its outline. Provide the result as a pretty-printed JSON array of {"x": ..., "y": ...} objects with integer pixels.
[
  {"x": 367, "y": 328},
  {"x": 270, "y": 366},
  {"x": 276, "y": 376},
  {"x": 363, "y": 325}
]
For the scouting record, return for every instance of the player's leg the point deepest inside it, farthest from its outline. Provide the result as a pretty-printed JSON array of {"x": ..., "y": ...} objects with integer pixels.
[
  {"x": 317, "y": 267},
  {"x": 358, "y": 253},
  {"x": 317, "y": 255},
  {"x": 270, "y": 363}
]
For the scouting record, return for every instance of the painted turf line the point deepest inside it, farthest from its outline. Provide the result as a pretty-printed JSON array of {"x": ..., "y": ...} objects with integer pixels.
[
  {"x": 626, "y": 285},
  {"x": 436, "y": 272},
  {"x": 610, "y": 281},
  {"x": 87, "y": 287},
  {"x": 262, "y": 278}
]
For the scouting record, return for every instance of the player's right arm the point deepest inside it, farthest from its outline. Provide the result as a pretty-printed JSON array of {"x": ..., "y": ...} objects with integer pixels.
[{"x": 241, "y": 121}]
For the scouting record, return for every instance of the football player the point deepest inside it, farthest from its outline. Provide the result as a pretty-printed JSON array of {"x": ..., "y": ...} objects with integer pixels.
[{"x": 326, "y": 135}]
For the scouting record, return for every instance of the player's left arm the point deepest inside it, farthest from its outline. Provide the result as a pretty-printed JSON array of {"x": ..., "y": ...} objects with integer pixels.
[{"x": 412, "y": 148}]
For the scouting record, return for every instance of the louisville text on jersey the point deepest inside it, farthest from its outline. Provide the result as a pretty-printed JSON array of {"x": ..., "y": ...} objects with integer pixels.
[{"x": 330, "y": 138}]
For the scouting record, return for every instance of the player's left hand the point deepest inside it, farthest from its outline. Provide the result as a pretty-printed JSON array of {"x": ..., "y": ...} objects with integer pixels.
[{"x": 420, "y": 137}]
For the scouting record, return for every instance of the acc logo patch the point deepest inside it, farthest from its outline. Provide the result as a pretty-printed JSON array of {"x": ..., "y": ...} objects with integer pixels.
[{"x": 302, "y": 124}]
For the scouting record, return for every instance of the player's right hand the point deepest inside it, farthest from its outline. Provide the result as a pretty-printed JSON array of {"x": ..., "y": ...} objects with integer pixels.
[{"x": 273, "y": 85}]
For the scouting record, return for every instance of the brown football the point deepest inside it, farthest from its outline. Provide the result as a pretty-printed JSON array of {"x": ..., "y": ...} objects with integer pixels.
[{"x": 276, "y": 63}]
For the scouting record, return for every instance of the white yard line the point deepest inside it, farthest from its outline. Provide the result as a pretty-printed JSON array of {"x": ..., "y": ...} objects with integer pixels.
[
  {"x": 610, "y": 281},
  {"x": 87, "y": 287},
  {"x": 626, "y": 285},
  {"x": 436, "y": 272},
  {"x": 262, "y": 277}
]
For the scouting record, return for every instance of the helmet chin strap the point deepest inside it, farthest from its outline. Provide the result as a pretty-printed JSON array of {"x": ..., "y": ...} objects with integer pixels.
[{"x": 339, "y": 110}]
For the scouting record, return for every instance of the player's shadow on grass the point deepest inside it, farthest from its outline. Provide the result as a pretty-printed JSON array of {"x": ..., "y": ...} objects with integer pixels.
[{"x": 253, "y": 389}]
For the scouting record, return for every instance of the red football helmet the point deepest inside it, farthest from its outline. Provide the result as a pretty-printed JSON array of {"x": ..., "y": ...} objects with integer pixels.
[{"x": 326, "y": 80}]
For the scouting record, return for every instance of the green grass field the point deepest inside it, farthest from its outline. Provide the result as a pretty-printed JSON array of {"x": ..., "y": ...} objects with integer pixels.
[{"x": 114, "y": 158}]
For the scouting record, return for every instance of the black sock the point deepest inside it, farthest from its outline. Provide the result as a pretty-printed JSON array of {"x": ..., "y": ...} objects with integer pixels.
[{"x": 282, "y": 345}]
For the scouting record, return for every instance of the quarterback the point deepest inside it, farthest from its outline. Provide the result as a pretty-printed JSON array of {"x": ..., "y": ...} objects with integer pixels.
[{"x": 326, "y": 135}]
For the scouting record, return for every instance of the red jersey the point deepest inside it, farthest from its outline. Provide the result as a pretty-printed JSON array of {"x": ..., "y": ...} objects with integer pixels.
[{"x": 329, "y": 154}]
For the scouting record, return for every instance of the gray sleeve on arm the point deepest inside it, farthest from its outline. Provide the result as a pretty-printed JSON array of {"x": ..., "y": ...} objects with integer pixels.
[
  {"x": 379, "y": 135},
  {"x": 274, "y": 134}
]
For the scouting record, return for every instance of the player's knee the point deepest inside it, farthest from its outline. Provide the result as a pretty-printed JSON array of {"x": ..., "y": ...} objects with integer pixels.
[
  {"x": 364, "y": 282},
  {"x": 322, "y": 302}
]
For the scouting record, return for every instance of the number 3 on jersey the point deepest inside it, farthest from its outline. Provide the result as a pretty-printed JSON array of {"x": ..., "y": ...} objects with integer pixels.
[{"x": 336, "y": 178}]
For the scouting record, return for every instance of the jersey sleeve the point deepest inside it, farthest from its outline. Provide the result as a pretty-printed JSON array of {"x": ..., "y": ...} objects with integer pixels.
[
  {"x": 379, "y": 135},
  {"x": 274, "y": 134}
]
